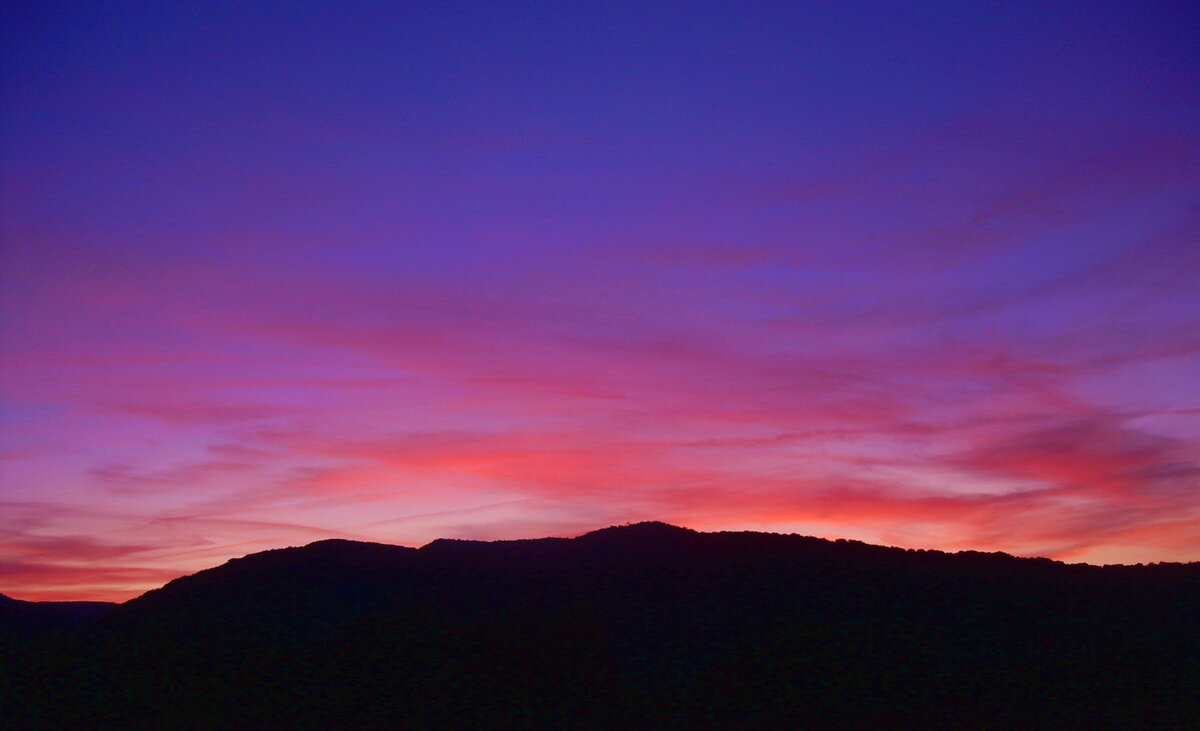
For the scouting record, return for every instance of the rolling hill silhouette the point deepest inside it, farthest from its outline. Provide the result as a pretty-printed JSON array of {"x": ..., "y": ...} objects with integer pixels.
[
  {"x": 22, "y": 622},
  {"x": 640, "y": 625}
]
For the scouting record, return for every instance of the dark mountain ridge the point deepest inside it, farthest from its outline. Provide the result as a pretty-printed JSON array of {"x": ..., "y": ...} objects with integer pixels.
[
  {"x": 22, "y": 621},
  {"x": 647, "y": 624}
]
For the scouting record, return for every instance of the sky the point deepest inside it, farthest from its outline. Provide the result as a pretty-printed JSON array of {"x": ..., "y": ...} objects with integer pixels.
[{"x": 918, "y": 274}]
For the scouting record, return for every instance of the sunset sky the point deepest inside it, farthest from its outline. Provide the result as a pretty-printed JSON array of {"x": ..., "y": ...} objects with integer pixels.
[{"x": 919, "y": 274}]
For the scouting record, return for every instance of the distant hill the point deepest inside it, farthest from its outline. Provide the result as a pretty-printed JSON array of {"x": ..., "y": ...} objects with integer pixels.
[
  {"x": 646, "y": 625},
  {"x": 22, "y": 621}
]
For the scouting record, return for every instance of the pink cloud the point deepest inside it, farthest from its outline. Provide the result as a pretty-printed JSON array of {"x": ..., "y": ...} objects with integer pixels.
[{"x": 763, "y": 382}]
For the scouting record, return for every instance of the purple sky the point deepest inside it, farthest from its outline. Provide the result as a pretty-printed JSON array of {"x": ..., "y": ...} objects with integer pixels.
[{"x": 276, "y": 272}]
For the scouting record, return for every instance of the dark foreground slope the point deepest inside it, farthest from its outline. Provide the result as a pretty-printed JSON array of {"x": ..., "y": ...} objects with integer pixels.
[{"x": 633, "y": 626}]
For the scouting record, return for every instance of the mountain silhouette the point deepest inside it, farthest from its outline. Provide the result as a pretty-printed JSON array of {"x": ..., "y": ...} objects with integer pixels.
[
  {"x": 22, "y": 621},
  {"x": 639, "y": 625}
]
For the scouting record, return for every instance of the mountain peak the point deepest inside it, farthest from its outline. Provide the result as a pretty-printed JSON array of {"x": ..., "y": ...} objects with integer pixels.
[{"x": 647, "y": 530}]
